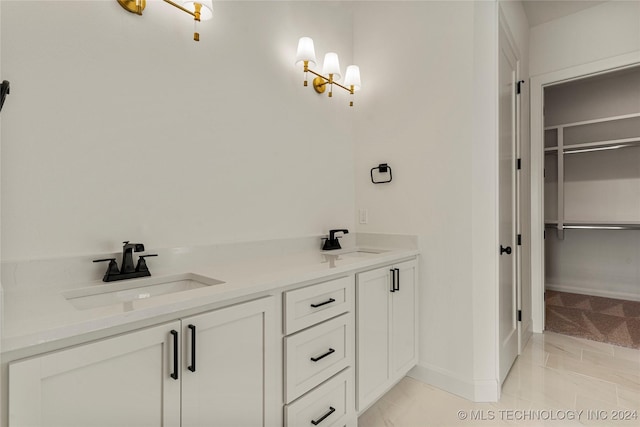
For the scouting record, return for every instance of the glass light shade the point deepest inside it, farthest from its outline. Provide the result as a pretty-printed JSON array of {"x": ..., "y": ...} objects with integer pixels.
[
  {"x": 352, "y": 77},
  {"x": 331, "y": 65},
  {"x": 206, "y": 12},
  {"x": 306, "y": 51}
]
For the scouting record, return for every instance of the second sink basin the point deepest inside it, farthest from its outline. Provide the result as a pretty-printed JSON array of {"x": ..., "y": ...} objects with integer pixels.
[
  {"x": 361, "y": 253},
  {"x": 110, "y": 294}
]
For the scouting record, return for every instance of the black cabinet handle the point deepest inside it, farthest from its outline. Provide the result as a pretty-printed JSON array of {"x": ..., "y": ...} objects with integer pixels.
[
  {"x": 322, "y": 418},
  {"x": 329, "y": 301},
  {"x": 393, "y": 280},
  {"x": 192, "y": 367},
  {"x": 315, "y": 359},
  {"x": 397, "y": 280},
  {"x": 174, "y": 375},
  {"x": 507, "y": 250}
]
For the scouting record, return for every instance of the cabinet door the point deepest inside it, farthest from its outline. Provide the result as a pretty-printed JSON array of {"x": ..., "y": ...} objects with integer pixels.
[
  {"x": 373, "y": 368},
  {"x": 233, "y": 380},
  {"x": 121, "y": 381},
  {"x": 404, "y": 322}
]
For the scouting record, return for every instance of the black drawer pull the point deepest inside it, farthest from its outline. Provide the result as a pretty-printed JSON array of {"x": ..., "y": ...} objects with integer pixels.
[
  {"x": 315, "y": 359},
  {"x": 174, "y": 374},
  {"x": 329, "y": 301},
  {"x": 393, "y": 280},
  {"x": 192, "y": 367},
  {"x": 322, "y": 418},
  {"x": 397, "y": 279}
]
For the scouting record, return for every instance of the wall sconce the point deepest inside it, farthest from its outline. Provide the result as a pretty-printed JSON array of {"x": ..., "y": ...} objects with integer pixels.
[
  {"x": 331, "y": 67},
  {"x": 201, "y": 10}
]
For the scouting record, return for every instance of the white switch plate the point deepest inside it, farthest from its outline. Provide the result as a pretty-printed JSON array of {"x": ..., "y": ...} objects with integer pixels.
[{"x": 364, "y": 216}]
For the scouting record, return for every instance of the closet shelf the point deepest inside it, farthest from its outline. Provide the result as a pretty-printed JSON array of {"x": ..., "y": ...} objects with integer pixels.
[
  {"x": 590, "y": 122},
  {"x": 595, "y": 225},
  {"x": 596, "y": 146}
]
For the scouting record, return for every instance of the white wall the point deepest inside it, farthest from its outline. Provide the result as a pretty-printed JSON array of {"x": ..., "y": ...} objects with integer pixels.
[
  {"x": 603, "y": 31},
  {"x": 120, "y": 127},
  {"x": 415, "y": 114},
  {"x": 438, "y": 133}
]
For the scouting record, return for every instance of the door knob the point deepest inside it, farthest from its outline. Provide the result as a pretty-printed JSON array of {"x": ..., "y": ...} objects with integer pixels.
[{"x": 503, "y": 250}]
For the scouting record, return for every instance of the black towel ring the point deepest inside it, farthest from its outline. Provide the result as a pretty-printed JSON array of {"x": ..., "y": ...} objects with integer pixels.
[{"x": 382, "y": 168}]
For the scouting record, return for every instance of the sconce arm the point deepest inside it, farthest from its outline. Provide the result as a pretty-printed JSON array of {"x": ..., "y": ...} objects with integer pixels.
[
  {"x": 327, "y": 81},
  {"x": 197, "y": 17}
]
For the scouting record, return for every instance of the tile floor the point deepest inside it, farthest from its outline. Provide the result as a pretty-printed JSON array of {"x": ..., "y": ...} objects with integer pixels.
[{"x": 557, "y": 381}]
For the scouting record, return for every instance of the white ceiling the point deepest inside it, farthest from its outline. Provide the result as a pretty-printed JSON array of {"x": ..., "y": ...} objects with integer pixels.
[{"x": 541, "y": 11}]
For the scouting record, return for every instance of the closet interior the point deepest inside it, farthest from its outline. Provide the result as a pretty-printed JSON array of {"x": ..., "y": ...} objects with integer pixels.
[{"x": 592, "y": 207}]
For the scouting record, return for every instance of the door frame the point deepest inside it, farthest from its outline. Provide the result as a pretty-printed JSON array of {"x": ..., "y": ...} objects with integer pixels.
[{"x": 538, "y": 83}]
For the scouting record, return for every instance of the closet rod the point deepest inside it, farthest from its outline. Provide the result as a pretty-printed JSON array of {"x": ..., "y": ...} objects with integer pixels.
[{"x": 594, "y": 226}]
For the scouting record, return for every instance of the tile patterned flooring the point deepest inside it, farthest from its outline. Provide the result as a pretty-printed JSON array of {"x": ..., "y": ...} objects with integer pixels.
[{"x": 557, "y": 381}]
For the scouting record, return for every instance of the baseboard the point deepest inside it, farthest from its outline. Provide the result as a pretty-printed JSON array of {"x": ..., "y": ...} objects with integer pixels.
[
  {"x": 476, "y": 391},
  {"x": 594, "y": 292}
]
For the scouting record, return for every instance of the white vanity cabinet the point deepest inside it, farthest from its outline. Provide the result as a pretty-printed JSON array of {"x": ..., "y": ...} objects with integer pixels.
[
  {"x": 125, "y": 380},
  {"x": 230, "y": 378},
  {"x": 319, "y": 354},
  {"x": 150, "y": 377},
  {"x": 387, "y": 322}
]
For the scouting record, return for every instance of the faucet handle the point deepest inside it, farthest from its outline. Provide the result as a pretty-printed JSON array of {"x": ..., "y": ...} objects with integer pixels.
[
  {"x": 142, "y": 264},
  {"x": 112, "y": 268}
]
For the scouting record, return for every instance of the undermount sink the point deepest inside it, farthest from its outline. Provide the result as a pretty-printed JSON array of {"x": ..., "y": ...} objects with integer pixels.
[
  {"x": 352, "y": 253},
  {"x": 136, "y": 289},
  {"x": 361, "y": 254}
]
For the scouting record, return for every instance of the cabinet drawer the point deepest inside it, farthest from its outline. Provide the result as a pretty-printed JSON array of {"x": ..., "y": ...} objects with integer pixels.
[
  {"x": 332, "y": 400},
  {"x": 307, "y": 306},
  {"x": 315, "y": 354}
]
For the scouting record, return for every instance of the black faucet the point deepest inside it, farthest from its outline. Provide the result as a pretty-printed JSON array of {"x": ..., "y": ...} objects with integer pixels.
[
  {"x": 332, "y": 242},
  {"x": 128, "y": 271}
]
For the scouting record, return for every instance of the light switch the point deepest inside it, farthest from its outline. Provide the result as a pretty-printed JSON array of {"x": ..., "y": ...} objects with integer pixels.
[{"x": 364, "y": 216}]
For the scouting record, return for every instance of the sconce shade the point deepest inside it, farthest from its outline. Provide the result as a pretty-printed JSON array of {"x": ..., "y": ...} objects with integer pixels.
[
  {"x": 332, "y": 65},
  {"x": 306, "y": 51},
  {"x": 352, "y": 77},
  {"x": 206, "y": 13}
]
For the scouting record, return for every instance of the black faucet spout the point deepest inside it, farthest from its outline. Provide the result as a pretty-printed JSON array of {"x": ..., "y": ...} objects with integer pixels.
[
  {"x": 332, "y": 242},
  {"x": 127, "y": 256}
]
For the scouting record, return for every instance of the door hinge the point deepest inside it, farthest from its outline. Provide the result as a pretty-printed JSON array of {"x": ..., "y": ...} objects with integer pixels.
[
  {"x": 519, "y": 164},
  {"x": 519, "y": 239},
  {"x": 519, "y": 315},
  {"x": 519, "y": 86}
]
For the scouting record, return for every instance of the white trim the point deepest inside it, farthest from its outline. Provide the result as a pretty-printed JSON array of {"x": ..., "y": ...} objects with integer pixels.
[
  {"x": 537, "y": 164},
  {"x": 598, "y": 292},
  {"x": 476, "y": 390}
]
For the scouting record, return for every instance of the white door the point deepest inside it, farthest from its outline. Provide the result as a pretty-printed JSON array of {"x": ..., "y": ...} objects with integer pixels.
[
  {"x": 121, "y": 381},
  {"x": 373, "y": 337},
  {"x": 229, "y": 372},
  {"x": 404, "y": 351},
  {"x": 507, "y": 295}
]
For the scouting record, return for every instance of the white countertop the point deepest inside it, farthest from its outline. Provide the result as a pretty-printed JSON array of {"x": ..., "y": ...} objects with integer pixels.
[{"x": 33, "y": 316}]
